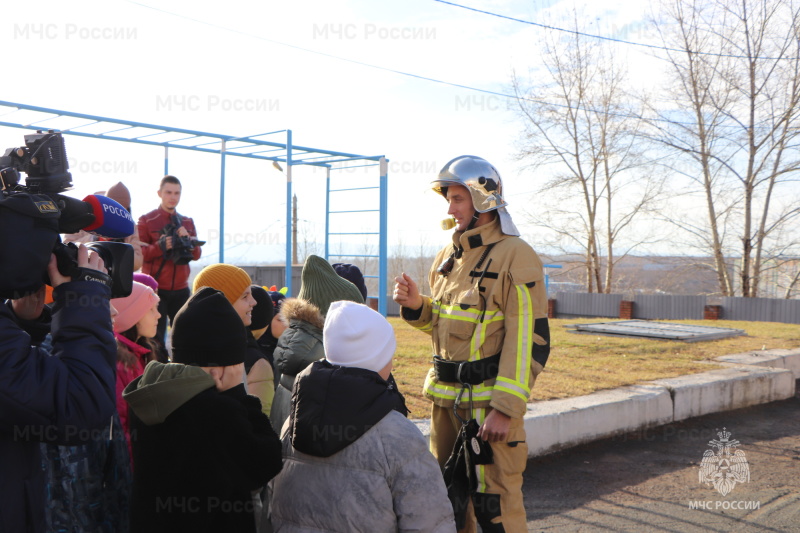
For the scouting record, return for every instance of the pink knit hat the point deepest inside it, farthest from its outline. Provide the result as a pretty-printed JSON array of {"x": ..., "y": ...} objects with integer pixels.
[{"x": 132, "y": 308}]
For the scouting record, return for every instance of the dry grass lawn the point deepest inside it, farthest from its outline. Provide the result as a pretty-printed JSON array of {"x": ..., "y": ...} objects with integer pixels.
[{"x": 580, "y": 364}]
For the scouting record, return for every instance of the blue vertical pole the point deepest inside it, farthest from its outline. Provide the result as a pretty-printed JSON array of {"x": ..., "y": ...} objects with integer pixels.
[
  {"x": 547, "y": 277},
  {"x": 383, "y": 261},
  {"x": 166, "y": 160},
  {"x": 327, "y": 211},
  {"x": 289, "y": 269},
  {"x": 222, "y": 205}
]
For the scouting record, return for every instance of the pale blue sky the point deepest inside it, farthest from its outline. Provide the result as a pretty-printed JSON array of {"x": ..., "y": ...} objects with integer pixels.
[{"x": 190, "y": 64}]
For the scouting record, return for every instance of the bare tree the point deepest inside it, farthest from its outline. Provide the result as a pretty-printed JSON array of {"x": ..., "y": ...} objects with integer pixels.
[
  {"x": 422, "y": 262},
  {"x": 577, "y": 122},
  {"x": 772, "y": 88},
  {"x": 791, "y": 279},
  {"x": 731, "y": 125},
  {"x": 779, "y": 274},
  {"x": 307, "y": 244},
  {"x": 415, "y": 260}
]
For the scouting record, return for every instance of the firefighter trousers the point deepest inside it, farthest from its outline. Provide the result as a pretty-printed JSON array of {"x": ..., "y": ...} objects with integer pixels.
[{"x": 497, "y": 505}]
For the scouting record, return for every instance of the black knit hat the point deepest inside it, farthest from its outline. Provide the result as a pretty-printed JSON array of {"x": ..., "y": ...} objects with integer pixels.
[
  {"x": 263, "y": 311},
  {"x": 352, "y": 274},
  {"x": 207, "y": 331},
  {"x": 277, "y": 300}
]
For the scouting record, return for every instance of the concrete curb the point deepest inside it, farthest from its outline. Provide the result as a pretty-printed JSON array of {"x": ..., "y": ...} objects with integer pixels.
[
  {"x": 555, "y": 425},
  {"x": 727, "y": 389},
  {"x": 788, "y": 359}
]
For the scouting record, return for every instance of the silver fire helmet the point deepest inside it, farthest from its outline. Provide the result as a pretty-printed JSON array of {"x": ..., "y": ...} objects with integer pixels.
[
  {"x": 478, "y": 176},
  {"x": 482, "y": 181}
]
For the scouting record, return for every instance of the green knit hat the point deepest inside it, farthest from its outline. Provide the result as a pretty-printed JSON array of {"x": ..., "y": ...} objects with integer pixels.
[{"x": 321, "y": 285}]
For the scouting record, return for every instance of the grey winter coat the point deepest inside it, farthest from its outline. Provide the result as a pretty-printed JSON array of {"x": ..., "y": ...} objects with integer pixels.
[
  {"x": 365, "y": 467},
  {"x": 298, "y": 346}
]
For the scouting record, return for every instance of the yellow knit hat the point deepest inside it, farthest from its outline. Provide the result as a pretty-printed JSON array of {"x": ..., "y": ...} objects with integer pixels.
[{"x": 229, "y": 279}]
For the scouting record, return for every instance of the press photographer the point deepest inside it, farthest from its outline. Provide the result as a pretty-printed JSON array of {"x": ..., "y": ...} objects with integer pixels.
[
  {"x": 169, "y": 243},
  {"x": 61, "y": 395}
]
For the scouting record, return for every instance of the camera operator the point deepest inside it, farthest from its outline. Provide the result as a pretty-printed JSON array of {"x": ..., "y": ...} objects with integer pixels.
[
  {"x": 59, "y": 397},
  {"x": 169, "y": 242}
]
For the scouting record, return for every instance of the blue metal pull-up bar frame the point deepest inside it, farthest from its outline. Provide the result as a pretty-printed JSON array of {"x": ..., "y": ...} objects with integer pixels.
[
  {"x": 382, "y": 222},
  {"x": 224, "y": 145}
]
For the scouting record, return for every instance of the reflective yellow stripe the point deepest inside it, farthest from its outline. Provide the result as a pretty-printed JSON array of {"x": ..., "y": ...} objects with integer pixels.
[
  {"x": 468, "y": 315},
  {"x": 517, "y": 389},
  {"x": 480, "y": 470},
  {"x": 452, "y": 396},
  {"x": 524, "y": 333},
  {"x": 496, "y": 317},
  {"x": 476, "y": 342},
  {"x": 448, "y": 392},
  {"x": 455, "y": 312},
  {"x": 426, "y": 327}
]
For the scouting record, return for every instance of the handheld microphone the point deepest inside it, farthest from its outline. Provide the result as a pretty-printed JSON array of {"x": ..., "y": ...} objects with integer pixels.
[
  {"x": 448, "y": 223},
  {"x": 95, "y": 214}
]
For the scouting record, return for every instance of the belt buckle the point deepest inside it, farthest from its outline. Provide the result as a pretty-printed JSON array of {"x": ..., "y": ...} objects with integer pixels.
[{"x": 458, "y": 373}]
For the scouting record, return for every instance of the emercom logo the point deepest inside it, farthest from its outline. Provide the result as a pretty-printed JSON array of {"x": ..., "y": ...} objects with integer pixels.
[{"x": 724, "y": 466}]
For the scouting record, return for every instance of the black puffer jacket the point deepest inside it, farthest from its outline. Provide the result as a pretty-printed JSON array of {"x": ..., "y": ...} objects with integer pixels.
[
  {"x": 60, "y": 397},
  {"x": 331, "y": 397},
  {"x": 197, "y": 452}
]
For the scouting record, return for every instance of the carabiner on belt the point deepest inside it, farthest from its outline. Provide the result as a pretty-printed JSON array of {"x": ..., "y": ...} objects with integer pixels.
[{"x": 464, "y": 386}]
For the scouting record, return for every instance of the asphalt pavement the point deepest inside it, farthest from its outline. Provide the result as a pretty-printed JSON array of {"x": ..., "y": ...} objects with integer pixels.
[{"x": 649, "y": 480}]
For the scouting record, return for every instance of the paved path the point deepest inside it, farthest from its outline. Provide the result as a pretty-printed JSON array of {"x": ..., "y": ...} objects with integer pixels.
[{"x": 649, "y": 480}]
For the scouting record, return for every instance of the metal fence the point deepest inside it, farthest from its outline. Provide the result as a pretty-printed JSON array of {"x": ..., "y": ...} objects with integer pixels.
[
  {"x": 668, "y": 307},
  {"x": 646, "y": 306},
  {"x": 761, "y": 310},
  {"x": 392, "y": 308},
  {"x": 577, "y": 304},
  {"x": 676, "y": 307},
  {"x": 274, "y": 275}
]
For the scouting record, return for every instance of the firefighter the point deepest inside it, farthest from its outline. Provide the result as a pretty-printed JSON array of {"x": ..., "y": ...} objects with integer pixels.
[{"x": 487, "y": 317}]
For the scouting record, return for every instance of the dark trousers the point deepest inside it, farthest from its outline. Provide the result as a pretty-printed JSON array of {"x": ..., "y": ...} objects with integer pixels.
[{"x": 169, "y": 304}]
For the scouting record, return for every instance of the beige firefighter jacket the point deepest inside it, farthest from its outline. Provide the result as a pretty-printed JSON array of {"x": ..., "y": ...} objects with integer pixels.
[{"x": 470, "y": 318}]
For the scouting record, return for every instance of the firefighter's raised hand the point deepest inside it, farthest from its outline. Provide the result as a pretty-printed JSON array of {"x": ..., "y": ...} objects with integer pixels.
[{"x": 406, "y": 292}]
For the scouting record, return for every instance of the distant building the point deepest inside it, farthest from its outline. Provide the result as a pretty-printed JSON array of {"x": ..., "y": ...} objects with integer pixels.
[
  {"x": 564, "y": 286},
  {"x": 640, "y": 275}
]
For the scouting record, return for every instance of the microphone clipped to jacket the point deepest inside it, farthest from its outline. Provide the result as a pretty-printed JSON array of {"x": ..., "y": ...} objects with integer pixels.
[{"x": 448, "y": 223}]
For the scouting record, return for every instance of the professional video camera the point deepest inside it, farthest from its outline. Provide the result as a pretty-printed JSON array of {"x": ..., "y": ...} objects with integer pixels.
[
  {"x": 33, "y": 215},
  {"x": 181, "y": 252}
]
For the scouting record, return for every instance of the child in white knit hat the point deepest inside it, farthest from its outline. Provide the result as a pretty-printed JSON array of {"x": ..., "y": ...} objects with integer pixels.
[{"x": 348, "y": 436}]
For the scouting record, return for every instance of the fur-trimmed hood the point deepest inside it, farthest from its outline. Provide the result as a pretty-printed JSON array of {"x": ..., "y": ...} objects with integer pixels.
[
  {"x": 297, "y": 309},
  {"x": 298, "y": 346}
]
